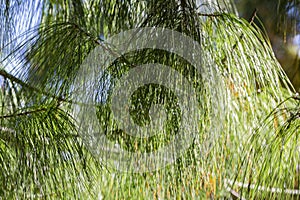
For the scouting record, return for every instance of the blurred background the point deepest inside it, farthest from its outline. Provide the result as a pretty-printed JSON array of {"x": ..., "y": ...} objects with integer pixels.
[{"x": 281, "y": 20}]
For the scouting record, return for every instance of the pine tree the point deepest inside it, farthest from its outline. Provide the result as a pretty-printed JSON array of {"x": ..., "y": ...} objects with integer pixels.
[{"x": 248, "y": 112}]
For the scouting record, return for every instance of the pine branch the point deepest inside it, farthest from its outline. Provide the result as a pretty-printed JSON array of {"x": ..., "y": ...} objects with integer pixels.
[
  {"x": 24, "y": 113},
  {"x": 26, "y": 85}
]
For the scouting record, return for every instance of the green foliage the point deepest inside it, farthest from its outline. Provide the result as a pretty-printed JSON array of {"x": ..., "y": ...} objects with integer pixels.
[{"x": 248, "y": 125}]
